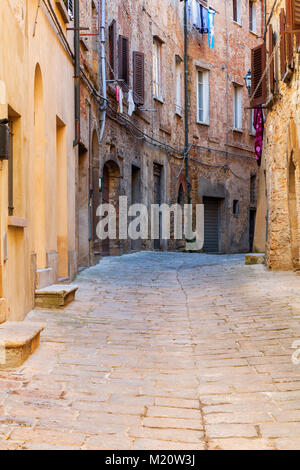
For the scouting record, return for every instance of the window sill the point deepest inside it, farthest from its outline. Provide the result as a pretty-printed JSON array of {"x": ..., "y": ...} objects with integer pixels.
[
  {"x": 160, "y": 100},
  {"x": 178, "y": 114},
  {"x": 235, "y": 129},
  {"x": 237, "y": 23},
  {"x": 202, "y": 123},
  {"x": 253, "y": 32},
  {"x": 17, "y": 222}
]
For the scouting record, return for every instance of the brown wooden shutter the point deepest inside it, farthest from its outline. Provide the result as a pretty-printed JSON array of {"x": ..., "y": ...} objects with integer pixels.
[
  {"x": 295, "y": 13},
  {"x": 124, "y": 60},
  {"x": 258, "y": 66},
  {"x": 112, "y": 32},
  {"x": 139, "y": 77},
  {"x": 289, "y": 37},
  {"x": 282, "y": 43},
  {"x": 271, "y": 63}
]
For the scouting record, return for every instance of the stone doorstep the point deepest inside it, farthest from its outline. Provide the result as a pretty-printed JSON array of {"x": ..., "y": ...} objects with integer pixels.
[
  {"x": 18, "y": 340},
  {"x": 255, "y": 258},
  {"x": 55, "y": 296}
]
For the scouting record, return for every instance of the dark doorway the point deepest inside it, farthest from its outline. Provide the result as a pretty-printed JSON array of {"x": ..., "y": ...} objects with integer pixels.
[
  {"x": 180, "y": 244},
  {"x": 252, "y": 219},
  {"x": 110, "y": 195},
  {"x": 157, "y": 174},
  {"x": 211, "y": 224},
  {"x": 136, "y": 199},
  {"x": 83, "y": 209}
]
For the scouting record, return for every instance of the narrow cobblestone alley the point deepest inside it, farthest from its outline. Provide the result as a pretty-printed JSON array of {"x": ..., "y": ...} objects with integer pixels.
[{"x": 162, "y": 351}]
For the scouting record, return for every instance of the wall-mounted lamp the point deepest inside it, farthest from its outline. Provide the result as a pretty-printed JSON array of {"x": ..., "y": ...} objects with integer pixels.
[{"x": 247, "y": 79}]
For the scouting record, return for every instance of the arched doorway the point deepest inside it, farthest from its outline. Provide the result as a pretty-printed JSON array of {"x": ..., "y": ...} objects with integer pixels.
[
  {"x": 39, "y": 172},
  {"x": 95, "y": 175},
  {"x": 293, "y": 219},
  {"x": 110, "y": 195}
]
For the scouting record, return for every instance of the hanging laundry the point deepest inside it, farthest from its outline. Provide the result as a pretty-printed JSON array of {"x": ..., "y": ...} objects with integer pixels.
[
  {"x": 120, "y": 96},
  {"x": 131, "y": 105},
  {"x": 204, "y": 19},
  {"x": 196, "y": 14},
  {"x": 211, "y": 28},
  {"x": 258, "y": 123}
]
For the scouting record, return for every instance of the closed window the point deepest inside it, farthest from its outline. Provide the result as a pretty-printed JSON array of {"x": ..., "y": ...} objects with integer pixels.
[
  {"x": 178, "y": 78},
  {"x": 237, "y": 16},
  {"x": 252, "y": 16},
  {"x": 203, "y": 97},
  {"x": 252, "y": 128},
  {"x": 112, "y": 33},
  {"x": 157, "y": 91},
  {"x": 124, "y": 61},
  {"x": 237, "y": 107},
  {"x": 236, "y": 208}
]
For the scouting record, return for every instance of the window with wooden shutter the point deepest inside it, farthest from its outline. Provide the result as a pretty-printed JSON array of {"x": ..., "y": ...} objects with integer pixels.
[
  {"x": 282, "y": 44},
  {"x": 295, "y": 13},
  {"x": 112, "y": 33},
  {"x": 289, "y": 36},
  {"x": 138, "y": 77},
  {"x": 271, "y": 58},
  {"x": 259, "y": 82},
  {"x": 124, "y": 60}
]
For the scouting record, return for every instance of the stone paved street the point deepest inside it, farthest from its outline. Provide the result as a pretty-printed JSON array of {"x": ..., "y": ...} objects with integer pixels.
[{"x": 162, "y": 351}]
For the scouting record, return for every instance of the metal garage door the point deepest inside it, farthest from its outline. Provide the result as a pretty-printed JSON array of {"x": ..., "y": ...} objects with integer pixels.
[{"x": 211, "y": 224}]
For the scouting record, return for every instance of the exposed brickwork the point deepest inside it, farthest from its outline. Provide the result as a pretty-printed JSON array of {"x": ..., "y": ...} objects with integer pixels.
[
  {"x": 140, "y": 21},
  {"x": 281, "y": 162}
]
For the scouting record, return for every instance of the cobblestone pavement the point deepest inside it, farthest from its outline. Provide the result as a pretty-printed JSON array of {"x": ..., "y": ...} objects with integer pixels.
[{"x": 162, "y": 351}]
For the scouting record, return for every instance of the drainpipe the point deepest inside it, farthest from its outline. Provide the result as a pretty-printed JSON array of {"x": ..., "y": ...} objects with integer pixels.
[
  {"x": 101, "y": 12},
  {"x": 186, "y": 104},
  {"x": 77, "y": 71}
]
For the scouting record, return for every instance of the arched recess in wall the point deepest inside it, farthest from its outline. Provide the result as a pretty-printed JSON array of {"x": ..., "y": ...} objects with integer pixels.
[
  {"x": 110, "y": 195},
  {"x": 293, "y": 216},
  {"x": 39, "y": 171},
  {"x": 95, "y": 183}
]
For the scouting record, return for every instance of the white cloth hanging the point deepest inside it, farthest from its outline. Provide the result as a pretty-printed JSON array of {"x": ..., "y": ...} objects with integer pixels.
[{"x": 131, "y": 105}]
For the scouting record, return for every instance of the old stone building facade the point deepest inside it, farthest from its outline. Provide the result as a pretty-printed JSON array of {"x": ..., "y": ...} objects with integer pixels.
[
  {"x": 121, "y": 132},
  {"x": 37, "y": 195},
  {"x": 141, "y": 156},
  {"x": 87, "y": 176},
  {"x": 279, "y": 188}
]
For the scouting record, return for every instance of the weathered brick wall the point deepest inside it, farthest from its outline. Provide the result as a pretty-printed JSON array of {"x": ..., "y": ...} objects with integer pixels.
[{"x": 219, "y": 154}]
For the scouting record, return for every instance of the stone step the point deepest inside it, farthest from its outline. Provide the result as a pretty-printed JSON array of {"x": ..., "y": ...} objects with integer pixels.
[
  {"x": 55, "y": 296},
  {"x": 18, "y": 340},
  {"x": 255, "y": 258}
]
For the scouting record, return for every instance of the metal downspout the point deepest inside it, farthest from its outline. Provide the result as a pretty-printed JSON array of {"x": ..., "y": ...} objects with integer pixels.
[
  {"x": 186, "y": 105},
  {"x": 77, "y": 71},
  {"x": 102, "y": 16}
]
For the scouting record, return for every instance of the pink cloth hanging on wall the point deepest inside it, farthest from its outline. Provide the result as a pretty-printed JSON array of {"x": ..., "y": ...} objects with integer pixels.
[{"x": 258, "y": 123}]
